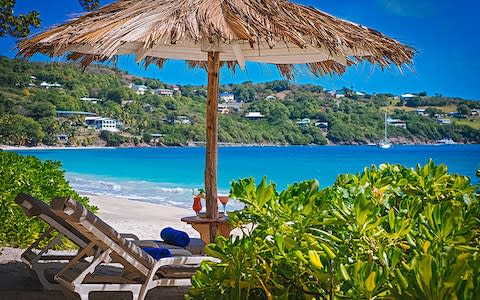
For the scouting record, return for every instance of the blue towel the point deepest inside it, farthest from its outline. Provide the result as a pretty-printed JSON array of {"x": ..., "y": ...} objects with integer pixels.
[
  {"x": 175, "y": 237},
  {"x": 158, "y": 253}
]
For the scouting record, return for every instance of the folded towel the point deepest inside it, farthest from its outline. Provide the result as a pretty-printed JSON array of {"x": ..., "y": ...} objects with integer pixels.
[
  {"x": 175, "y": 237},
  {"x": 158, "y": 253}
]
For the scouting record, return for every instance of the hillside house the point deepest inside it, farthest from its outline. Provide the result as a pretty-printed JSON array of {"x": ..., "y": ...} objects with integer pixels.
[
  {"x": 406, "y": 97},
  {"x": 227, "y": 97},
  {"x": 223, "y": 109},
  {"x": 331, "y": 93},
  {"x": 305, "y": 122},
  {"x": 139, "y": 89},
  {"x": 444, "y": 121},
  {"x": 397, "y": 123},
  {"x": 62, "y": 138},
  {"x": 254, "y": 115},
  {"x": 421, "y": 112},
  {"x": 107, "y": 124},
  {"x": 175, "y": 87},
  {"x": 47, "y": 85},
  {"x": 156, "y": 137},
  {"x": 164, "y": 92},
  {"x": 322, "y": 125},
  {"x": 185, "y": 120},
  {"x": 234, "y": 106}
]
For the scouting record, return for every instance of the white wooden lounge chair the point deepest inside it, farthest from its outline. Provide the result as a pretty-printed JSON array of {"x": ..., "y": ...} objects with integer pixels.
[
  {"x": 41, "y": 262},
  {"x": 140, "y": 272}
]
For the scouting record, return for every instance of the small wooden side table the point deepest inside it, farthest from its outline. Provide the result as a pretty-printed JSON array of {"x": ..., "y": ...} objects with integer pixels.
[{"x": 202, "y": 225}]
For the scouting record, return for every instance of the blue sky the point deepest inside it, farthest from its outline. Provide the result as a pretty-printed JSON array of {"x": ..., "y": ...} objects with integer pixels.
[{"x": 444, "y": 32}]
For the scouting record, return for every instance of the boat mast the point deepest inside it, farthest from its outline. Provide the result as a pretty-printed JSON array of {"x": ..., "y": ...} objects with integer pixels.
[{"x": 385, "y": 139}]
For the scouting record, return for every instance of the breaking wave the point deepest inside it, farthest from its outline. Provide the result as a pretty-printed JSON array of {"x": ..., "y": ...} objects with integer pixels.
[{"x": 145, "y": 191}]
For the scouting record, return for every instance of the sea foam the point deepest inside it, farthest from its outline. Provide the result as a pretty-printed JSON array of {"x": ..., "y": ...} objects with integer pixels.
[{"x": 139, "y": 190}]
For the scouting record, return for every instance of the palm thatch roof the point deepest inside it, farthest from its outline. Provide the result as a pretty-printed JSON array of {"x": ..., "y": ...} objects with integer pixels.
[{"x": 269, "y": 31}]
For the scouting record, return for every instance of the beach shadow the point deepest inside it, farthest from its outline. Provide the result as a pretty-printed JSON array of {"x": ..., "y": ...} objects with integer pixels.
[
  {"x": 18, "y": 282},
  {"x": 16, "y": 274}
]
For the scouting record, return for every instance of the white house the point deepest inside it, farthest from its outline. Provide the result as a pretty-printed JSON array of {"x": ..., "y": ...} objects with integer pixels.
[
  {"x": 175, "y": 87},
  {"x": 156, "y": 137},
  {"x": 339, "y": 96},
  {"x": 331, "y": 92},
  {"x": 444, "y": 121},
  {"x": 254, "y": 115},
  {"x": 182, "y": 120},
  {"x": 421, "y": 112},
  {"x": 139, "y": 89},
  {"x": 397, "y": 123},
  {"x": 62, "y": 138},
  {"x": 305, "y": 122},
  {"x": 322, "y": 125},
  {"x": 164, "y": 92},
  {"x": 106, "y": 124},
  {"x": 407, "y": 96},
  {"x": 47, "y": 85},
  {"x": 227, "y": 97},
  {"x": 271, "y": 97},
  {"x": 223, "y": 109},
  {"x": 360, "y": 94}
]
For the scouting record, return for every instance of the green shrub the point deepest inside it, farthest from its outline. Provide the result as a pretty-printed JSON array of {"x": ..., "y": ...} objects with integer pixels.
[
  {"x": 390, "y": 232},
  {"x": 44, "y": 180}
]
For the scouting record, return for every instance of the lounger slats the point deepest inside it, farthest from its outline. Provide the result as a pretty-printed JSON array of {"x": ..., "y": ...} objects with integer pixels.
[
  {"x": 34, "y": 207},
  {"x": 77, "y": 213}
]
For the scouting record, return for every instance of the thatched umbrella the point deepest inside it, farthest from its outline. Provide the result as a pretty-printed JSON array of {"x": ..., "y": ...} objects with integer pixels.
[{"x": 209, "y": 33}]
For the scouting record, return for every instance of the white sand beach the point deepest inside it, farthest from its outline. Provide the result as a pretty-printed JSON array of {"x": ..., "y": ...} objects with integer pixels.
[{"x": 146, "y": 220}]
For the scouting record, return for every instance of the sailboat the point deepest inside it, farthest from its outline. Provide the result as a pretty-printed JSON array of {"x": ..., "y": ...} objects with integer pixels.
[{"x": 385, "y": 144}]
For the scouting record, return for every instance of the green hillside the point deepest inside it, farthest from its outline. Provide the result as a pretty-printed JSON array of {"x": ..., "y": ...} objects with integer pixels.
[{"x": 31, "y": 94}]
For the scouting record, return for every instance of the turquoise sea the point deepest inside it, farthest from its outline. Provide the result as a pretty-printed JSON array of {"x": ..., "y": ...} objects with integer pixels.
[{"x": 167, "y": 175}]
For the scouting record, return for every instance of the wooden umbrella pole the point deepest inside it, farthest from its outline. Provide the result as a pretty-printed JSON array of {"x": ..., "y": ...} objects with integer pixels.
[{"x": 212, "y": 139}]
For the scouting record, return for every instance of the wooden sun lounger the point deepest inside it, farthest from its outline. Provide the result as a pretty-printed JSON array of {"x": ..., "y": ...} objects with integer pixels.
[
  {"x": 140, "y": 272},
  {"x": 40, "y": 261}
]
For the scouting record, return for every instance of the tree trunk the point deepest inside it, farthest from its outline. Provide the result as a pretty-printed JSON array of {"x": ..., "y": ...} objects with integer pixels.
[{"x": 212, "y": 139}]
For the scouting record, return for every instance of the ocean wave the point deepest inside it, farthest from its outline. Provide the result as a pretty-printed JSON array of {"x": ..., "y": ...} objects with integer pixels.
[{"x": 139, "y": 190}]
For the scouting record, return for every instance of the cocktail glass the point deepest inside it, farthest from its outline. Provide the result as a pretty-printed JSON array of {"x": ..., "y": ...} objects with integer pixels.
[
  {"x": 224, "y": 201},
  {"x": 197, "y": 205}
]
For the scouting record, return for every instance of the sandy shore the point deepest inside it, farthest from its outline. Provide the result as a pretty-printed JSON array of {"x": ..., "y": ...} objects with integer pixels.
[{"x": 146, "y": 220}]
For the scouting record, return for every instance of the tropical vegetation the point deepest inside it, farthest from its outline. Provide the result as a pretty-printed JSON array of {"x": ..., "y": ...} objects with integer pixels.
[
  {"x": 44, "y": 180},
  {"x": 388, "y": 233},
  {"x": 31, "y": 94}
]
